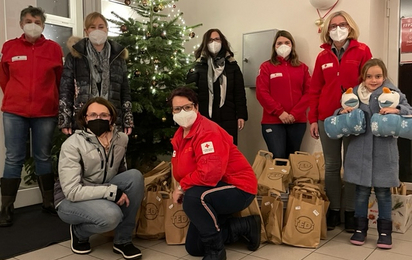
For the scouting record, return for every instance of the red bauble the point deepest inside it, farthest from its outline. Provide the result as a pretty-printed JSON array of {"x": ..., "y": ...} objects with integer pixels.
[
  {"x": 123, "y": 28},
  {"x": 127, "y": 2}
]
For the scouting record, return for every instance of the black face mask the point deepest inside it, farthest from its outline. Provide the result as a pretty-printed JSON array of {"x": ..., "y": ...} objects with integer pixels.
[{"x": 99, "y": 126}]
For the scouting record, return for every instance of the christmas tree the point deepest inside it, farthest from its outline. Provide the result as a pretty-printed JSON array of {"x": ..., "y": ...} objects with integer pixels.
[{"x": 157, "y": 64}]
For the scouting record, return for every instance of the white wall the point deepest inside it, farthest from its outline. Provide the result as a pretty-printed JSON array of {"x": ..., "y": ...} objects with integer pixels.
[{"x": 236, "y": 17}]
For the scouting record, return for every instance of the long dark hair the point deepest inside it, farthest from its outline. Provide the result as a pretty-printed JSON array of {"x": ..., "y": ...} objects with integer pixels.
[
  {"x": 293, "y": 56},
  {"x": 203, "y": 46}
]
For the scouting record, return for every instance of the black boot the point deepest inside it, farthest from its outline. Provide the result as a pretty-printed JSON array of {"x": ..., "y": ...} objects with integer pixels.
[
  {"x": 46, "y": 185},
  {"x": 214, "y": 248},
  {"x": 248, "y": 227},
  {"x": 385, "y": 234},
  {"x": 361, "y": 228},
  {"x": 333, "y": 219},
  {"x": 350, "y": 221},
  {"x": 9, "y": 189}
]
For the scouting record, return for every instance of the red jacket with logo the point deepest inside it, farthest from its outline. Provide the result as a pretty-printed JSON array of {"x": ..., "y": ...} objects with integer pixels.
[
  {"x": 207, "y": 155},
  {"x": 330, "y": 78},
  {"x": 30, "y": 77},
  {"x": 281, "y": 88}
]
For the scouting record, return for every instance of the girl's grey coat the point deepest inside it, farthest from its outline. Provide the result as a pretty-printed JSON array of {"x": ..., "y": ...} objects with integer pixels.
[{"x": 370, "y": 160}]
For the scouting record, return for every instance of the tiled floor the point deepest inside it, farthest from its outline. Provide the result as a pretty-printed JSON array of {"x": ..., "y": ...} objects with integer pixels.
[{"x": 337, "y": 246}]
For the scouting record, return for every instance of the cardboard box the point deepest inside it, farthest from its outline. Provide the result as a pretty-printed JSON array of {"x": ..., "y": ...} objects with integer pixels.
[{"x": 401, "y": 211}]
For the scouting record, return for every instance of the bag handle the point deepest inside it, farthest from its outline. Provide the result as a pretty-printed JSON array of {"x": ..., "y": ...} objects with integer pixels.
[
  {"x": 281, "y": 160},
  {"x": 303, "y": 153},
  {"x": 302, "y": 180}
]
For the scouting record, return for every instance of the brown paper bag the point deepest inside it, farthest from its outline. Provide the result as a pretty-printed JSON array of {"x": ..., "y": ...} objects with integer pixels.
[
  {"x": 274, "y": 174},
  {"x": 254, "y": 209},
  {"x": 303, "y": 227},
  {"x": 176, "y": 222},
  {"x": 151, "y": 223},
  {"x": 260, "y": 162},
  {"x": 304, "y": 164},
  {"x": 272, "y": 214},
  {"x": 320, "y": 161}
]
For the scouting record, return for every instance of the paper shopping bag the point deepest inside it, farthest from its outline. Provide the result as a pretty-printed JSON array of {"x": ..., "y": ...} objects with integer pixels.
[
  {"x": 272, "y": 214},
  {"x": 303, "y": 226},
  {"x": 304, "y": 164},
  {"x": 176, "y": 223},
  {"x": 151, "y": 222},
  {"x": 274, "y": 173},
  {"x": 260, "y": 161}
]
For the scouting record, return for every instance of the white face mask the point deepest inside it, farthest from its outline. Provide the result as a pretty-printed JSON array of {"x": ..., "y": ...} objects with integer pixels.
[
  {"x": 214, "y": 47},
  {"x": 283, "y": 50},
  {"x": 185, "y": 119},
  {"x": 98, "y": 37},
  {"x": 339, "y": 34},
  {"x": 32, "y": 30}
]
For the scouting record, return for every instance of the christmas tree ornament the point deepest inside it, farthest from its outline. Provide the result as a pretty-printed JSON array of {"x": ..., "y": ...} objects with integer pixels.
[
  {"x": 154, "y": 83},
  {"x": 123, "y": 28},
  {"x": 161, "y": 7},
  {"x": 144, "y": 2},
  {"x": 192, "y": 34},
  {"x": 163, "y": 119},
  {"x": 127, "y": 2},
  {"x": 156, "y": 9},
  {"x": 155, "y": 25},
  {"x": 174, "y": 6},
  {"x": 156, "y": 61},
  {"x": 148, "y": 35},
  {"x": 322, "y": 5},
  {"x": 137, "y": 73},
  {"x": 163, "y": 35}
]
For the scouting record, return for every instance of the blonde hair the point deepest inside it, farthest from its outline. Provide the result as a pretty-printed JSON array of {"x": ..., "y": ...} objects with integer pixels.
[
  {"x": 353, "y": 34},
  {"x": 93, "y": 16}
]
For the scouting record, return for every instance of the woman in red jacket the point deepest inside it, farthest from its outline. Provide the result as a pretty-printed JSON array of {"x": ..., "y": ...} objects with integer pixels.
[
  {"x": 30, "y": 71},
  {"x": 337, "y": 68},
  {"x": 282, "y": 89},
  {"x": 215, "y": 181}
]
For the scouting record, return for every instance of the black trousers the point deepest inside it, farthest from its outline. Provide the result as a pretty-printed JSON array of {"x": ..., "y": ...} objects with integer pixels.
[{"x": 208, "y": 209}]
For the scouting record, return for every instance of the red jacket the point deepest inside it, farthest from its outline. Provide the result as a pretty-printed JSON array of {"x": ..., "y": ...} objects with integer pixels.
[
  {"x": 281, "y": 88},
  {"x": 207, "y": 155},
  {"x": 30, "y": 77},
  {"x": 330, "y": 78}
]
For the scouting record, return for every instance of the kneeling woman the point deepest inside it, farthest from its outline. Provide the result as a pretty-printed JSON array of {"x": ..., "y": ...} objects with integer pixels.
[
  {"x": 215, "y": 180},
  {"x": 97, "y": 193}
]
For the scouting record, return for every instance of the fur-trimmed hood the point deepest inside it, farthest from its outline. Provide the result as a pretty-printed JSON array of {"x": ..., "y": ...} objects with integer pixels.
[{"x": 77, "y": 47}]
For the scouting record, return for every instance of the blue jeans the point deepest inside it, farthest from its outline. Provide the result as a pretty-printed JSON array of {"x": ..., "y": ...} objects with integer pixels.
[
  {"x": 383, "y": 196},
  {"x": 332, "y": 152},
  {"x": 16, "y": 132},
  {"x": 283, "y": 139},
  {"x": 98, "y": 216}
]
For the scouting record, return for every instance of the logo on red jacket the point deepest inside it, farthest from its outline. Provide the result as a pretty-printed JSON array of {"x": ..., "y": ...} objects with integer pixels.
[{"x": 207, "y": 147}]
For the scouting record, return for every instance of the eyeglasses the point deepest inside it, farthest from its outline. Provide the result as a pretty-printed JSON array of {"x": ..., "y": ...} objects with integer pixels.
[
  {"x": 104, "y": 116},
  {"x": 341, "y": 25},
  {"x": 187, "y": 108},
  {"x": 214, "y": 40}
]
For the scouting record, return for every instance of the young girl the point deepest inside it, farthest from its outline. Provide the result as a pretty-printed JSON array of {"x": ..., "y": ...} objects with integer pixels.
[{"x": 373, "y": 161}]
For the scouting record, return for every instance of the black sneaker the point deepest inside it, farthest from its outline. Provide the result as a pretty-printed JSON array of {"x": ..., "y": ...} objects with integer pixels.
[
  {"x": 128, "y": 250},
  {"x": 79, "y": 247}
]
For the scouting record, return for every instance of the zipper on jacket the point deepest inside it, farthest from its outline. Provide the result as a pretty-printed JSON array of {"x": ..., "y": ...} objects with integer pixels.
[
  {"x": 112, "y": 159},
  {"x": 101, "y": 158}
]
